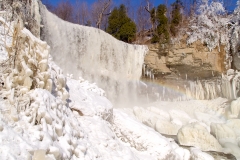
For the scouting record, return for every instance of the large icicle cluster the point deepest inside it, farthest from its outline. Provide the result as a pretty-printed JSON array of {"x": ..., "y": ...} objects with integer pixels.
[
  {"x": 28, "y": 66},
  {"x": 203, "y": 90},
  {"x": 231, "y": 84}
]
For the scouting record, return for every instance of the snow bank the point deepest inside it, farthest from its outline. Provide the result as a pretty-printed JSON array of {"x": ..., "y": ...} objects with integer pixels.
[
  {"x": 146, "y": 139},
  {"x": 88, "y": 102}
]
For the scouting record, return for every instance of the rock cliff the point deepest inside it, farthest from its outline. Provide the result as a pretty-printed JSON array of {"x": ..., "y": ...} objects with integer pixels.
[{"x": 183, "y": 61}]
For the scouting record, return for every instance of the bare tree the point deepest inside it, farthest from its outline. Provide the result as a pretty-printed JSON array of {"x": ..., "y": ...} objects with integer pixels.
[
  {"x": 99, "y": 9},
  {"x": 142, "y": 23},
  {"x": 81, "y": 12},
  {"x": 64, "y": 10},
  {"x": 152, "y": 13}
]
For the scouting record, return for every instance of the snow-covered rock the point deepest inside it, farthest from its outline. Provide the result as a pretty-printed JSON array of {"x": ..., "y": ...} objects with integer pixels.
[
  {"x": 196, "y": 135},
  {"x": 228, "y": 135},
  {"x": 197, "y": 154}
]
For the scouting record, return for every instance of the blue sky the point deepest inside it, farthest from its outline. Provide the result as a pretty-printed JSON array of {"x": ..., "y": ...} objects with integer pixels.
[
  {"x": 156, "y": 2},
  {"x": 136, "y": 2}
]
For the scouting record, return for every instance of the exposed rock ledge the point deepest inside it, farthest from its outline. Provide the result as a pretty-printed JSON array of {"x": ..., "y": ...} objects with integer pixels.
[{"x": 180, "y": 60}]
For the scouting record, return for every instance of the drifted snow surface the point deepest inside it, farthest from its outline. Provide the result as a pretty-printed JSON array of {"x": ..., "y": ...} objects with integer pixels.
[{"x": 61, "y": 132}]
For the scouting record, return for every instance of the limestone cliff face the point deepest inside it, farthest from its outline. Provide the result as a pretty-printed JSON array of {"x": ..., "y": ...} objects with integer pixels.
[{"x": 180, "y": 60}]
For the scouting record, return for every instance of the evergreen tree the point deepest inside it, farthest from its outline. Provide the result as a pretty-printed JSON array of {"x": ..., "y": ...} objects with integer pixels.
[
  {"x": 176, "y": 16},
  {"x": 113, "y": 23},
  {"x": 161, "y": 33},
  {"x": 120, "y": 25},
  {"x": 162, "y": 28}
]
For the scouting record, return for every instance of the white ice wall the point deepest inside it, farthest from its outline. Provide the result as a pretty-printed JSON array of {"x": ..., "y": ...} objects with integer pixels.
[{"x": 95, "y": 55}]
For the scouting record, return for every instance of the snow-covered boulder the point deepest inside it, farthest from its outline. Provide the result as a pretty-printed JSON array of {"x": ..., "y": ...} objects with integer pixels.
[
  {"x": 197, "y": 154},
  {"x": 89, "y": 103},
  {"x": 167, "y": 127},
  {"x": 194, "y": 134},
  {"x": 228, "y": 135}
]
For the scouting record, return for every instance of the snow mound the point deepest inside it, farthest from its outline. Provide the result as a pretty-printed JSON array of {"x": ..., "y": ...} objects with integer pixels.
[
  {"x": 88, "y": 100},
  {"x": 146, "y": 139}
]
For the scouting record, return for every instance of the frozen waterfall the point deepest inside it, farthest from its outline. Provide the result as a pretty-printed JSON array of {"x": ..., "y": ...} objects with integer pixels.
[
  {"x": 94, "y": 55},
  {"x": 117, "y": 66}
]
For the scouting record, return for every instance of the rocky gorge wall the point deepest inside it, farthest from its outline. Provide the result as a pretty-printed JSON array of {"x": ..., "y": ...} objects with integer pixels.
[
  {"x": 186, "y": 62},
  {"x": 191, "y": 70}
]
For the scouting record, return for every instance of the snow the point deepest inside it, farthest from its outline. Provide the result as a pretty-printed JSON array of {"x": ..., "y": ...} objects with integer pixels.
[
  {"x": 209, "y": 25},
  {"x": 144, "y": 139},
  {"x": 5, "y": 40},
  {"x": 47, "y": 115}
]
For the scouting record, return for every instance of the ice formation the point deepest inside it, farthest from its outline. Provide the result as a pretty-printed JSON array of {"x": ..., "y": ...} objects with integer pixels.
[
  {"x": 167, "y": 123},
  {"x": 95, "y": 55},
  {"x": 197, "y": 154},
  {"x": 231, "y": 84},
  {"x": 203, "y": 90},
  {"x": 195, "y": 134},
  {"x": 27, "y": 66}
]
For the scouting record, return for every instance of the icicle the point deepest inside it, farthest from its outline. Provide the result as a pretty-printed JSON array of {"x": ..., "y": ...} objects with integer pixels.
[{"x": 144, "y": 70}]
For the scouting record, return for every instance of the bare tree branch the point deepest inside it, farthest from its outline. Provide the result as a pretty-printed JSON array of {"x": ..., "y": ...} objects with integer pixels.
[{"x": 98, "y": 10}]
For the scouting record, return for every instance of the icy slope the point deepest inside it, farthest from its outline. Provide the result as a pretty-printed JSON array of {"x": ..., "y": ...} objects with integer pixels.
[
  {"x": 45, "y": 115},
  {"x": 94, "y": 55}
]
